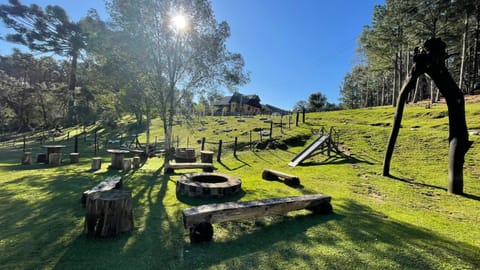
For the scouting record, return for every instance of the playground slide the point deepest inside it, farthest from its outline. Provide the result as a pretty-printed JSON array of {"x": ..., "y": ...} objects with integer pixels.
[{"x": 307, "y": 151}]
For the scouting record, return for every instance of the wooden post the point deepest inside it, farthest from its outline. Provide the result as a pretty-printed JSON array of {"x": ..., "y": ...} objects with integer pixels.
[
  {"x": 206, "y": 156},
  {"x": 303, "y": 115},
  {"x": 136, "y": 162},
  {"x": 203, "y": 143},
  {"x": 95, "y": 142},
  {"x": 178, "y": 142},
  {"x": 188, "y": 141},
  {"x": 271, "y": 129},
  {"x": 219, "y": 155},
  {"x": 76, "y": 144},
  {"x": 27, "y": 158},
  {"x": 298, "y": 115},
  {"x": 24, "y": 143},
  {"x": 235, "y": 147},
  {"x": 96, "y": 163},
  {"x": 55, "y": 159},
  {"x": 74, "y": 158},
  {"x": 127, "y": 164},
  {"x": 109, "y": 213},
  {"x": 250, "y": 140}
]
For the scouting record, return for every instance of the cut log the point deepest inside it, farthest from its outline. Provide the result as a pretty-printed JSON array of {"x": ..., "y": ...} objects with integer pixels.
[
  {"x": 127, "y": 165},
  {"x": 290, "y": 180},
  {"x": 96, "y": 163},
  {"x": 74, "y": 158},
  {"x": 136, "y": 163},
  {"x": 27, "y": 158},
  {"x": 196, "y": 218},
  {"x": 206, "y": 156},
  {"x": 109, "y": 213},
  {"x": 112, "y": 182},
  {"x": 55, "y": 159}
]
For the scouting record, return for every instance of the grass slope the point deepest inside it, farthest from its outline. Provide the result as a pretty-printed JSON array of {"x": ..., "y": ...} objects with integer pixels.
[{"x": 405, "y": 222}]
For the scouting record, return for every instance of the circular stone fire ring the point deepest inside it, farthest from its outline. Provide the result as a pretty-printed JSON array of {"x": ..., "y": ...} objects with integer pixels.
[{"x": 208, "y": 185}]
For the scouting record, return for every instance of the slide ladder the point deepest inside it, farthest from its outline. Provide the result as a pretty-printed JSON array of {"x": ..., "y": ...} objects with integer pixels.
[{"x": 309, "y": 150}]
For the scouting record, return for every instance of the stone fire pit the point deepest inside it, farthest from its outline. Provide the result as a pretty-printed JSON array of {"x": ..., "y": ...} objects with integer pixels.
[{"x": 208, "y": 185}]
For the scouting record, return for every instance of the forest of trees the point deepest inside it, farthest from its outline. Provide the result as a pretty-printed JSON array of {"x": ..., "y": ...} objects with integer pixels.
[
  {"x": 386, "y": 48},
  {"x": 150, "y": 60}
]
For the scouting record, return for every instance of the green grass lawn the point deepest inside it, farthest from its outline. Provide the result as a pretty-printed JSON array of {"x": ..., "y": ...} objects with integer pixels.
[{"x": 408, "y": 221}]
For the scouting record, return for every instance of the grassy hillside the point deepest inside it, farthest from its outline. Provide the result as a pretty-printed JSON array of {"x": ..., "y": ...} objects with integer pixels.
[{"x": 408, "y": 221}]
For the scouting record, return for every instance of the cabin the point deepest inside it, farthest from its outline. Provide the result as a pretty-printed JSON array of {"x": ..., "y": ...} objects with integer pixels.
[{"x": 239, "y": 104}]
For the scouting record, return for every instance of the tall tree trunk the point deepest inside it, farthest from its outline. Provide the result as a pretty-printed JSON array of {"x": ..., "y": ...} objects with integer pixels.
[
  {"x": 464, "y": 51},
  {"x": 476, "y": 49},
  {"x": 394, "y": 90}
]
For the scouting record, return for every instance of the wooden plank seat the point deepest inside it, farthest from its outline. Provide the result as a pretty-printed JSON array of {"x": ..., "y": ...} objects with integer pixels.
[
  {"x": 112, "y": 182},
  {"x": 206, "y": 167},
  {"x": 199, "y": 219},
  {"x": 290, "y": 180}
]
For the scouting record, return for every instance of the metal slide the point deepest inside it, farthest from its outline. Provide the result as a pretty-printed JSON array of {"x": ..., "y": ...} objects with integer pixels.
[{"x": 307, "y": 151}]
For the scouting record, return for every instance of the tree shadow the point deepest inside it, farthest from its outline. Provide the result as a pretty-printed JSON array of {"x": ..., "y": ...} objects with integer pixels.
[
  {"x": 337, "y": 160},
  {"x": 412, "y": 182}
]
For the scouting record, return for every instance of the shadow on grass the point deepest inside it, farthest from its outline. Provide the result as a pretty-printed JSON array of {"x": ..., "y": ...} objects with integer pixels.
[
  {"x": 338, "y": 160},
  {"x": 412, "y": 182},
  {"x": 42, "y": 227}
]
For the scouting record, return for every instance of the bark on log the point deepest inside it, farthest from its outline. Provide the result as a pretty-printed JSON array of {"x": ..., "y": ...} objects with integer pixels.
[{"x": 109, "y": 213}]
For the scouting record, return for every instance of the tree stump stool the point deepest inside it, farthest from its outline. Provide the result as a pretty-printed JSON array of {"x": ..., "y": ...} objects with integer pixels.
[
  {"x": 109, "y": 213},
  {"x": 74, "y": 158},
  {"x": 136, "y": 163},
  {"x": 42, "y": 158},
  {"x": 127, "y": 165},
  {"x": 206, "y": 156},
  {"x": 96, "y": 163},
  {"x": 55, "y": 159},
  {"x": 27, "y": 158}
]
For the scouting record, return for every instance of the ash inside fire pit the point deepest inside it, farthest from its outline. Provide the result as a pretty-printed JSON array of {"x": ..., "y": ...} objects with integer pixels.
[{"x": 208, "y": 185}]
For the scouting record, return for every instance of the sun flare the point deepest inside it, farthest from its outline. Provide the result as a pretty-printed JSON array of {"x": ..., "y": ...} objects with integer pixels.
[{"x": 179, "y": 21}]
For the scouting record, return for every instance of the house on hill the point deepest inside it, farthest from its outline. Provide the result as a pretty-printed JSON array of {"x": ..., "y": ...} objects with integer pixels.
[
  {"x": 270, "y": 109},
  {"x": 238, "y": 103}
]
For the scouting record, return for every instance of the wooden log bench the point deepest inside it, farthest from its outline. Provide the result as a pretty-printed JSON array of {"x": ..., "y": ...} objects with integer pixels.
[
  {"x": 206, "y": 167},
  {"x": 199, "y": 219},
  {"x": 290, "y": 180},
  {"x": 112, "y": 182}
]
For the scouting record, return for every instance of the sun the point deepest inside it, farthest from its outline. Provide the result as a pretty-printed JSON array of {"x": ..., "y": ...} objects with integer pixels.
[{"x": 179, "y": 21}]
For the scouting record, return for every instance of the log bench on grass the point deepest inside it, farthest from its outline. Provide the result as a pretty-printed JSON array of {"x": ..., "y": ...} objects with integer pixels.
[
  {"x": 199, "y": 219},
  {"x": 112, "y": 182},
  {"x": 289, "y": 180},
  {"x": 171, "y": 167}
]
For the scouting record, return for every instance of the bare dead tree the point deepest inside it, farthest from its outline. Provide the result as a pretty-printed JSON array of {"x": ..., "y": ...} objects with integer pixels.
[{"x": 431, "y": 60}]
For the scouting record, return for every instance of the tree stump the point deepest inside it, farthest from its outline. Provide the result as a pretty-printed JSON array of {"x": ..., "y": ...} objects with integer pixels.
[
  {"x": 74, "y": 158},
  {"x": 96, "y": 163},
  {"x": 55, "y": 159},
  {"x": 136, "y": 163},
  {"x": 42, "y": 158},
  {"x": 109, "y": 213},
  {"x": 127, "y": 164},
  {"x": 206, "y": 156},
  {"x": 27, "y": 158}
]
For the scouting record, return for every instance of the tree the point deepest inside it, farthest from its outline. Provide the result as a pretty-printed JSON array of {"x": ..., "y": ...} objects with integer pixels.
[
  {"x": 183, "y": 50},
  {"x": 316, "y": 102},
  {"x": 48, "y": 30},
  {"x": 300, "y": 105}
]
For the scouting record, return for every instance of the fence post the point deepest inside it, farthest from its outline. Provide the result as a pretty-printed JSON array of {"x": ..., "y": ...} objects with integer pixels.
[
  {"x": 203, "y": 143},
  {"x": 298, "y": 115},
  {"x": 24, "y": 143},
  {"x": 219, "y": 151},
  {"x": 303, "y": 116},
  {"x": 76, "y": 144},
  {"x": 95, "y": 142},
  {"x": 271, "y": 129},
  {"x": 235, "y": 147},
  {"x": 250, "y": 140}
]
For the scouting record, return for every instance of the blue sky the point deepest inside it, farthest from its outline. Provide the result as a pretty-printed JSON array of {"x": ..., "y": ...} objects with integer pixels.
[{"x": 292, "y": 48}]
